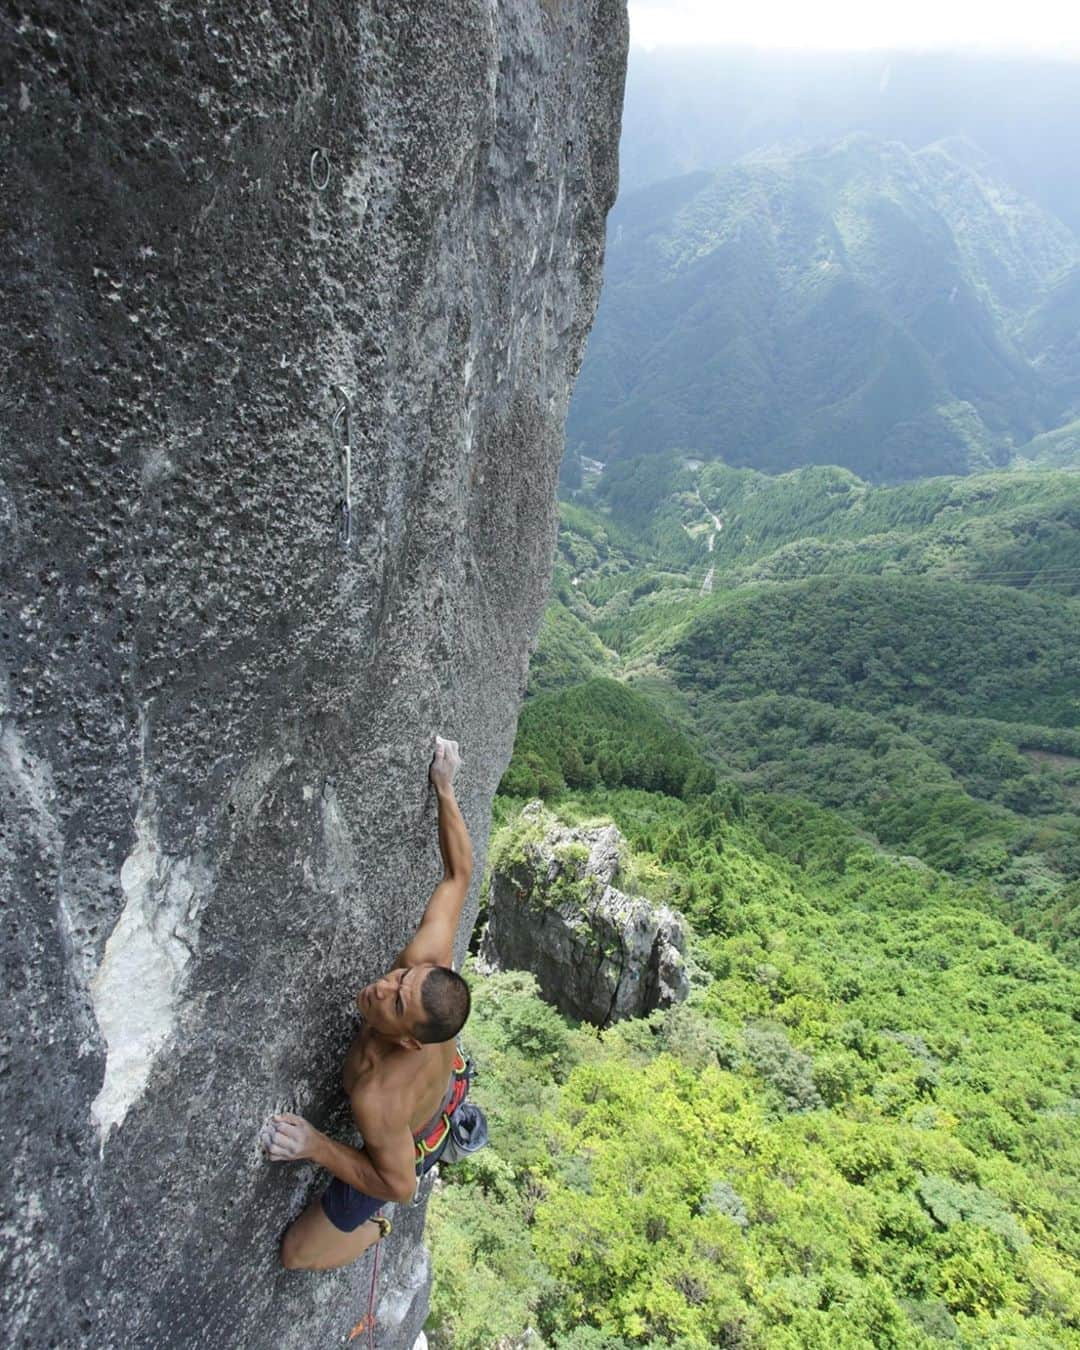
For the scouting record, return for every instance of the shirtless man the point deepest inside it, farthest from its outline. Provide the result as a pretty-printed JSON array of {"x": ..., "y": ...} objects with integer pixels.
[{"x": 397, "y": 1069}]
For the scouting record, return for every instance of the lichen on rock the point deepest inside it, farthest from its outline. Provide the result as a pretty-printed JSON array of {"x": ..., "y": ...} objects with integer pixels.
[{"x": 598, "y": 953}]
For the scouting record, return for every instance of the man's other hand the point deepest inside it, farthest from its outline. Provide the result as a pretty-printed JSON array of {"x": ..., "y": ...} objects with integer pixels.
[
  {"x": 445, "y": 762},
  {"x": 288, "y": 1138}
]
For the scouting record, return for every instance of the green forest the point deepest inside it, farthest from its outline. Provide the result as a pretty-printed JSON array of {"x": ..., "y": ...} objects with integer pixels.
[{"x": 838, "y": 725}]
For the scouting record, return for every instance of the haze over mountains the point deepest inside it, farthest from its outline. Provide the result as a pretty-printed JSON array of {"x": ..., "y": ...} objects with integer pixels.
[
  {"x": 702, "y": 110},
  {"x": 899, "y": 309}
]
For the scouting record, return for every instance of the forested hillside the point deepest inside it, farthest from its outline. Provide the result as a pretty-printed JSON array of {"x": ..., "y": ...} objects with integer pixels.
[
  {"x": 839, "y": 725},
  {"x": 860, "y": 1131},
  {"x": 908, "y": 655},
  {"x": 1017, "y": 529},
  {"x": 897, "y": 312}
]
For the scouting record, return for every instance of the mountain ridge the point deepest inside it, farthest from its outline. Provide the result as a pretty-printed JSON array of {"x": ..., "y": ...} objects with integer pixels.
[{"x": 857, "y": 303}]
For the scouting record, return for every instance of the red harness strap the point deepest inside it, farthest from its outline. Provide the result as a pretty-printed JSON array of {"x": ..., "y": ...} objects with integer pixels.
[{"x": 428, "y": 1143}]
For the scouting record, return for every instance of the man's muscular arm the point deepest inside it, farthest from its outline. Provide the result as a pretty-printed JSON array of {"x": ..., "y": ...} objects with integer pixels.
[
  {"x": 384, "y": 1168},
  {"x": 434, "y": 940}
]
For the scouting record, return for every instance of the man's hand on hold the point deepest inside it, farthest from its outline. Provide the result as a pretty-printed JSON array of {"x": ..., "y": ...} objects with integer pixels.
[
  {"x": 288, "y": 1138},
  {"x": 445, "y": 763}
]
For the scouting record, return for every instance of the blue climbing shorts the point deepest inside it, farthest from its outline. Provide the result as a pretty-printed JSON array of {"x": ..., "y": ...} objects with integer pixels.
[{"x": 347, "y": 1208}]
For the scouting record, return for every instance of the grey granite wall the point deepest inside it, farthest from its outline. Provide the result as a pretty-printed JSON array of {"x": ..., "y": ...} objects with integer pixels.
[{"x": 216, "y": 719}]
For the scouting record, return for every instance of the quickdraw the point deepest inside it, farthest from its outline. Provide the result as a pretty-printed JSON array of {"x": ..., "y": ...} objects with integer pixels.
[{"x": 341, "y": 433}]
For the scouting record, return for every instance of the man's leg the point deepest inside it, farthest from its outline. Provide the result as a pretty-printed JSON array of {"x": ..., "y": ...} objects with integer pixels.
[{"x": 314, "y": 1243}]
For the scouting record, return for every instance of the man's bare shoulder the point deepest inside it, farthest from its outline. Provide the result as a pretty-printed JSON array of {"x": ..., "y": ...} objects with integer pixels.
[
  {"x": 385, "y": 1095},
  {"x": 405, "y": 1087}
]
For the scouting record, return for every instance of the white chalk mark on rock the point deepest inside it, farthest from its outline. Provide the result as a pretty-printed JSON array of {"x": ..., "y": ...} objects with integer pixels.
[{"x": 137, "y": 988}]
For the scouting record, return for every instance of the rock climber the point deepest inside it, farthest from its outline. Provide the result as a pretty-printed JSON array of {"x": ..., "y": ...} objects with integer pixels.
[{"x": 402, "y": 1071}]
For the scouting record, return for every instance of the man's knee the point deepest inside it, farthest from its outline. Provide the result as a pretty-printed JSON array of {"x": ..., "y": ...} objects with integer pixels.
[{"x": 291, "y": 1251}]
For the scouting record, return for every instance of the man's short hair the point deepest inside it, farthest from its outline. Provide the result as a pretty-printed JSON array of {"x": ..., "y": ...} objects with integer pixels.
[{"x": 446, "y": 1000}]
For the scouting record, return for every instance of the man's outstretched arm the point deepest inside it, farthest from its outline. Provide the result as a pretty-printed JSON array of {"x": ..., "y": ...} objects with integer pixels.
[
  {"x": 434, "y": 940},
  {"x": 383, "y": 1168}
]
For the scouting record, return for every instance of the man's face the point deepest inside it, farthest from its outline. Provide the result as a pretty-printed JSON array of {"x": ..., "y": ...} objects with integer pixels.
[{"x": 392, "y": 1006}]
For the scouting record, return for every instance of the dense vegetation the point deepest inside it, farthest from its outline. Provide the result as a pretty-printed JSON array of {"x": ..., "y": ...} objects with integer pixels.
[
  {"x": 601, "y": 732},
  {"x": 878, "y": 643},
  {"x": 862, "y": 787},
  {"x": 860, "y": 1131},
  {"x": 838, "y": 724},
  {"x": 899, "y": 312},
  {"x": 1020, "y": 528}
]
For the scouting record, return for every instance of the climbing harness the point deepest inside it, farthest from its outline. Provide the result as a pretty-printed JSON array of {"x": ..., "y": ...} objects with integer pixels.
[
  {"x": 341, "y": 433},
  {"x": 434, "y": 1137},
  {"x": 319, "y": 169}
]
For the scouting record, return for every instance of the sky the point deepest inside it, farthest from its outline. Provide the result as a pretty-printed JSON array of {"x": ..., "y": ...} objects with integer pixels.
[{"x": 1048, "y": 27}]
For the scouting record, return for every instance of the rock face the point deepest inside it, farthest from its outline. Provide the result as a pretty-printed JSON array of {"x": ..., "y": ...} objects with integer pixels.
[
  {"x": 598, "y": 954},
  {"x": 217, "y": 718}
]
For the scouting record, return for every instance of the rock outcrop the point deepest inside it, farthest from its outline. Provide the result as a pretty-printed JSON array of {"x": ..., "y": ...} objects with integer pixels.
[
  {"x": 217, "y": 714},
  {"x": 598, "y": 954}
]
